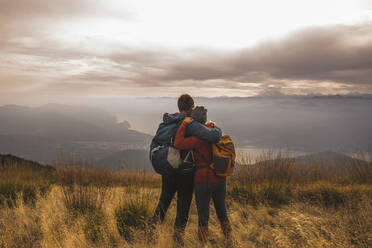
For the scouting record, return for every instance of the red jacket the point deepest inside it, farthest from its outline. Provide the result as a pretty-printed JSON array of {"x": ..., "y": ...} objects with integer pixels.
[{"x": 188, "y": 143}]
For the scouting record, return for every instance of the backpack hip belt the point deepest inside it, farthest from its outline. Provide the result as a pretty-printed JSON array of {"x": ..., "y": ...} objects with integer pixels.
[{"x": 202, "y": 167}]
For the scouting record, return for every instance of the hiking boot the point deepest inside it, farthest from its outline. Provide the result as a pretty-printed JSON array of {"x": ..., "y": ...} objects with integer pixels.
[
  {"x": 178, "y": 238},
  {"x": 226, "y": 230},
  {"x": 151, "y": 233},
  {"x": 203, "y": 234}
]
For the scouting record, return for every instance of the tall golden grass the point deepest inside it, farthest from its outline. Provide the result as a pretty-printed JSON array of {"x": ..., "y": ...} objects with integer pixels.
[{"x": 276, "y": 205}]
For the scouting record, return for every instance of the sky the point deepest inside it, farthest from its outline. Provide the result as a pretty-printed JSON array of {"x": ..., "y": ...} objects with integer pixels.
[{"x": 53, "y": 51}]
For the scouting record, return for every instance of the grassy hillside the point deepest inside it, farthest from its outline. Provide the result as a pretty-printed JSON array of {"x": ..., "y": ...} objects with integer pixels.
[{"x": 280, "y": 205}]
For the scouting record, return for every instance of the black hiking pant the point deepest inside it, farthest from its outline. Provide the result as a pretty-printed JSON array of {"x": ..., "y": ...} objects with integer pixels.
[
  {"x": 203, "y": 194},
  {"x": 184, "y": 186}
]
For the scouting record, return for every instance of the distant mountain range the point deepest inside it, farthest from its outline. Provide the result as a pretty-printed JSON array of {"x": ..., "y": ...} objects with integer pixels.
[
  {"x": 301, "y": 124},
  {"x": 67, "y": 123},
  {"x": 44, "y": 133}
]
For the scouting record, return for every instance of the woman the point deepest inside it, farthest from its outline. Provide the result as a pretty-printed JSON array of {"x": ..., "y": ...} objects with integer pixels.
[{"x": 207, "y": 184}]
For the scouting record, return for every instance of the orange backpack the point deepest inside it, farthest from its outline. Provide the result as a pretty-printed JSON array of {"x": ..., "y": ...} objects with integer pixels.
[
  {"x": 223, "y": 162},
  {"x": 223, "y": 157}
]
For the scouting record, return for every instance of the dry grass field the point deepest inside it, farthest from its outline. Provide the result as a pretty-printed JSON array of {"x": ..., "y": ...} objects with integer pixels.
[{"x": 276, "y": 205}]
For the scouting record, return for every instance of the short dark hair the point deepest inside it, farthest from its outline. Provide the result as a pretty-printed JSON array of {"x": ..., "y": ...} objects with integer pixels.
[{"x": 185, "y": 102}]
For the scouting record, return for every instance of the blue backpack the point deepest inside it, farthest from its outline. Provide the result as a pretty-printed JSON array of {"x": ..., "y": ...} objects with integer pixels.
[{"x": 166, "y": 159}]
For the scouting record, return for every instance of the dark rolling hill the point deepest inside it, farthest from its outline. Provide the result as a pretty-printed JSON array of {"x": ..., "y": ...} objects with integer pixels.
[
  {"x": 328, "y": 160},
  {"x": 8, "y": 160}
]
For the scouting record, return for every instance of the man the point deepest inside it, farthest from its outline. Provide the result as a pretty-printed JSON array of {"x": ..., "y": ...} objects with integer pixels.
[{"x": 182, "y": 184}]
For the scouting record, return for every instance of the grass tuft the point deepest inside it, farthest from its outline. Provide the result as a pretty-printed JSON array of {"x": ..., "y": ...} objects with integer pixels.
[
  {"x": 133, "y": 216},
  {"x": 272, "y": 194},
  {"x": 23, "y": 183}
]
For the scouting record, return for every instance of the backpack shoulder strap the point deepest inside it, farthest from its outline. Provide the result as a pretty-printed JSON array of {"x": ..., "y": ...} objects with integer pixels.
[
  {"x": 171, "y": 140},
  {"x": 202, "y": 156}
]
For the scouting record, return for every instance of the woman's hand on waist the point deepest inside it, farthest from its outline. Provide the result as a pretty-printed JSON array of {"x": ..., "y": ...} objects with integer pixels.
[
  {"x": 188, "y": 120},
  {"x": 210, "y": 124}
]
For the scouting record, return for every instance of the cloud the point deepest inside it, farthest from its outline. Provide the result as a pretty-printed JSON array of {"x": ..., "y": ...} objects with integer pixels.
[
  {"x": 29, "y": 11},
  {"x": 44, "y": 8},
  {"x": 334, "y": 59},
  {"x": 340, "y": 54},
  {"x": 40, "y": 18}
]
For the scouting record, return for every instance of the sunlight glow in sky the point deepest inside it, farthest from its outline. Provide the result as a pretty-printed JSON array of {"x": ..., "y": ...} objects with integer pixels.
[{"x": 210, "y": 23}]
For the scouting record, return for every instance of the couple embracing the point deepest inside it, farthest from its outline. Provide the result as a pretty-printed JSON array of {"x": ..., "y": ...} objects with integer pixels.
[{"x": 181, "y": 152}]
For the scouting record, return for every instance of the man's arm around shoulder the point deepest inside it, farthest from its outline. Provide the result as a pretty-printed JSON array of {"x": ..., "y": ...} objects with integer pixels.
[{"x": 212, "y": 135}]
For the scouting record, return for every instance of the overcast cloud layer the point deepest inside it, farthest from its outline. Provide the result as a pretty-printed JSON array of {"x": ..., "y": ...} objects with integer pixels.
[{"x": 41, "y": 57}]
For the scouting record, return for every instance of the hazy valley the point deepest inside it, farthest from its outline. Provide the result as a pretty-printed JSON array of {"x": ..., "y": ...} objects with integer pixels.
[{"x": 114, "y": 133}]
